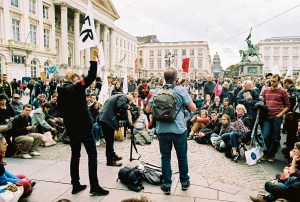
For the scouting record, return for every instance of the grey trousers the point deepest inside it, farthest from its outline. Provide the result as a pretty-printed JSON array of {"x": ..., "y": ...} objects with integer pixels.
[{"x": 30, "y": 142}]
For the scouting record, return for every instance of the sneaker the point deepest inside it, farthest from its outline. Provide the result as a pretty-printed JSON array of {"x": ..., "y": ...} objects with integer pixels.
[
  {"x": 78, "y": 188},
  {"x": 271, "y": 158},
  {"x": 99, "y": 192},
  {"x": 185, "y": 185},
  {"x": 166, "y": 190},
  {"x": 264, "y": 157},
  {"x": 26, "y": 156},
  {"x": 34, "y": 153},
  {"x": 258, "y": 198},
  {"x": 98, "y": 143},
  {"x": 114, "y": 163}
]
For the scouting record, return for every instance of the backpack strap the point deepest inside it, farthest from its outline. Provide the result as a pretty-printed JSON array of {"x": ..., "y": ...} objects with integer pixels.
[{"x": 173, "y": 86}]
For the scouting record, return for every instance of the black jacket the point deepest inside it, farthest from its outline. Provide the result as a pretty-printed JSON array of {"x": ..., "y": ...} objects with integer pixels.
[
  {"x": 212, "y": 127},
  {"x": 72, "y": 103},
  {"x": 19, "y": 125},
  {"x": 37, "y": 87},
  {"x": 116, "y": 104}
]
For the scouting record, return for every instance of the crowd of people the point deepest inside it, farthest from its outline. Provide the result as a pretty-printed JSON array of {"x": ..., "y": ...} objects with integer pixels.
[{"x": 223, "y": 119}]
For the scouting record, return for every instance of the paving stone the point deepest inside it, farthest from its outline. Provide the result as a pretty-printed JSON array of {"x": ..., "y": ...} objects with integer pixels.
[
  {"x": 53, "y": 173},
  {"x": 197, "y": 191},
  {"x": 118, "y": 195},
  {"x": 47, "y": 191},
  {"x": 225, "y": 187},
  {"x": 223, "y": 196},
  {"x": 79, "y": 197}
]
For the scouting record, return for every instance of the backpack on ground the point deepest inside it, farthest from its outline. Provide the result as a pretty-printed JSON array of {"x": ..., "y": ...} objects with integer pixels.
[
  {"x": 164, "y": 104},
  {"x": 132, "y": 177}
]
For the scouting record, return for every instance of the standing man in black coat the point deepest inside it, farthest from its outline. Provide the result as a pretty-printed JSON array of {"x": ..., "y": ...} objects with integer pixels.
[
  {"x": 112, "y": 111},
  {"x": 78, "y": 122},
  {"x": 52, "y": 87}
]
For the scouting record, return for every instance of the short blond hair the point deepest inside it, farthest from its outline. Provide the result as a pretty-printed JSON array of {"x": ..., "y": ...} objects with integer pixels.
[
  {"x": 242, "y": 107},
  {"x": 70, "y": 75}
]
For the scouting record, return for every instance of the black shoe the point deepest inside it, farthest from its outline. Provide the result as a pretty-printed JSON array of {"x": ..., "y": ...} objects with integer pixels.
[
  {"x": 78, "y": 188},
  {"x": 166, "y": 190},
  {"x": 99, "y": 192},
  {"x": 33, "y": 184},
  {"x": 185, "y": 185},
  {"x": 114, "y": 163},
  {"x": 118, "y": 158},
  {"x": 236, "y": 157}
]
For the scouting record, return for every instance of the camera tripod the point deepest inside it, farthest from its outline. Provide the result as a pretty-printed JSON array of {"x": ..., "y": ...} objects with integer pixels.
[{"x": 132, "y": 144}]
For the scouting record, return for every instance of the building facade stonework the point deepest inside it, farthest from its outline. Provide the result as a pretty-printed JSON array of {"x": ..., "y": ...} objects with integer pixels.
[
  {"x": 283, "y": 51},
  {"x": 154, "y": 57},
  {"x": 36, "y": 34}
]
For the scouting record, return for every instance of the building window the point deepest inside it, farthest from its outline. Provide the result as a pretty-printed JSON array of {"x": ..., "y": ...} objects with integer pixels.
[
  {"x": 107, "y": 39},
  {"x": 200, "y": 51},
  {"x": 151, "y": 64},
  {"x": 175, "y": 52},
  {"x": 18, "y": 59},
  {"x": 158, "y": 64},
  {"x": 151, "y": 53},
  {"x": 141, "y": 53},
  {"x": 183, "y": 52},
  {"x": 295, "y": 51},
  {"x": 124, "y": 44},
  {"x": 32, "y": 5},
  {"x": 121, "y": 42},
  {"x": 15, "y": 3},
  {"x": 46, "y": 38},
  {"x": 276, "y": 51},
  {"x": 166, "y": 52},
  {"x": 276, "y": 62},
  {"x": 295, "y": 63},
  {"x": 45, "y": 12},
  {"x": 159, "y": 53},
  {"x": 33, "y": 34},
  {"x": 33, "y": 68},
  {"x": 285, "y": 62},
  {"x": 267, "y": 51},
  {"x": 192, "y": 63},
  {"x": 285, "y": 51},
  {"x": 16, "y": 29},
  {"x": 175, "y": 63},
  {"x": 267, "y": 63},
  {"x": 192, "y": 52},
  {"x": 199, "y": 63},
  {"x": 117, "y": 41}
]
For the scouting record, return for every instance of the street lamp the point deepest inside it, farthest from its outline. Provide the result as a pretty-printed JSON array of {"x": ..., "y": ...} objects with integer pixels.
[
  {"x": 140, "y": 70},
  {"x": 169, "y": 59}
]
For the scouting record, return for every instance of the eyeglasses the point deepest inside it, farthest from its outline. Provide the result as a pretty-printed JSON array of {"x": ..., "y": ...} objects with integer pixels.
[
  {"x": 273, "y": 81},
  {"x": 224, "y": 119}
]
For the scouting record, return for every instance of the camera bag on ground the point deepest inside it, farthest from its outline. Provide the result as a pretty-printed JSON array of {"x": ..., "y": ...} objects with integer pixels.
[
  {"x": 132, "y": 177},
  {"x": 152, "y": 173},
  {"x": 164, "y": 104}
]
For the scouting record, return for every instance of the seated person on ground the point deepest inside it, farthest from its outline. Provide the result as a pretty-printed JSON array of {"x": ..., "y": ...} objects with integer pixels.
[
  {"x": 215, "y": 106},
  {"x": 216, "y": 139},
  {"x": 199, "y": 122},
  {"x": 16, "y": 104},
  {"x": 140, "y": 129},
  {"x": 287, "y": 185},
  {"x": 242, "y": 131},
  {"x": 227, "y": 108},
  {"x": 214, "y": 126},
  {"x": 22, "y": 132},
  {"x": 6, "y": 177},
  {"x": 6, "y": 111},
  {"x": 39, "y": 101},
  {"x": 39, "y": 119}
]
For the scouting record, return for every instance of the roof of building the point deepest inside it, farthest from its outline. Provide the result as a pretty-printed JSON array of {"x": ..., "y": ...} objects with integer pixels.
[
  {"x": 284, "y": 38},
  {"x": 108, "y": 6}
]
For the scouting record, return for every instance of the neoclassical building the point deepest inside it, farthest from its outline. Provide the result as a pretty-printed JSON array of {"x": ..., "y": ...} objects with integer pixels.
[
  {"x": 154, "y": 56},
  {"x": 35, "y": 34},
  {"x": 283, "y": 51},
  {"x": 216, "y": 67}
]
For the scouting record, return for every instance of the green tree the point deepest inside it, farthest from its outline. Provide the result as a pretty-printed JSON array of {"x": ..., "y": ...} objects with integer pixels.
[{"x": 232, "y": 70}]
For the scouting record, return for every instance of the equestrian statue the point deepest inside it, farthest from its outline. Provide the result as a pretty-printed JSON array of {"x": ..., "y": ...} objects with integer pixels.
[{"x": 253, "y": 50}]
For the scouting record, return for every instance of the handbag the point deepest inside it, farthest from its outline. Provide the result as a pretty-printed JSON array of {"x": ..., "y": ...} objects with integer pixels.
[
  {"x": 119, "y": 134},
  {"x": 240, "y": 126},
  {"x": 253, "y": 155}
]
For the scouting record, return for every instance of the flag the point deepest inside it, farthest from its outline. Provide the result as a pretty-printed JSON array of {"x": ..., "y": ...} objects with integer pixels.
[
  {"x": 249, "y": 36},
  {"x": 125, "y": 82},
  {"x": 218, "y": 89},
  {"x": 101, "y": 59},
  {"x": 185, "y": 64},
  {"x": 275, "y": 70},
  {"x": 51, "y": 70},
  {"x": 103, "y": 96},
  {"x": 88, "y": 37},
  {"x": 123, "y": 58},
  {"x": 136, "y": 67},
  {"x": 289, "y": 71}
]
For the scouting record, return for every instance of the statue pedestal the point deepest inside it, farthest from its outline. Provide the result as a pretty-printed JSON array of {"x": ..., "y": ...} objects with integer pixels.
[{"x": 251, "y": 68}]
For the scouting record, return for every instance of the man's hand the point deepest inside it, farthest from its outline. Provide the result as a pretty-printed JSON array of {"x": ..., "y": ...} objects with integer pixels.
[
  {"x": 29, "y": 128},
  {"x": 94, "y": 55},
  {"x": 53, "y": 129}
]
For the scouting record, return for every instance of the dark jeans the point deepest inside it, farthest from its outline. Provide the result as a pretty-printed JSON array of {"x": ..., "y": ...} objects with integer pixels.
[
  {"x": 109, "y": 139},
  {"x": 232, "y": 137},
  {"x": 287, "y": 190},
  {"x": 97, "y": 130},
  {"x": 166, "y": 142},
  {"x": 271, "y": 133},
  {"x": 86, "y": 137},
  {"x": 291, "y": 130}
]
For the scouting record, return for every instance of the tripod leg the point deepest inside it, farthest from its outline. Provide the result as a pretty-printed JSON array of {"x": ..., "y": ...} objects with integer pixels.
[{"x": 133, "y": 145}]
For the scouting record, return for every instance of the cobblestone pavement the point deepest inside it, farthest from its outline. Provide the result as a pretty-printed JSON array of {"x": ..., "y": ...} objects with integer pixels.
[{"x": 203, "y": 160}]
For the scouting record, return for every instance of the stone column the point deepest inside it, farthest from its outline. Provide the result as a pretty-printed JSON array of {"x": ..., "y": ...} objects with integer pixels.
[
  {"x": 105, "y": 45},
  {"x": 64, "y": 35},
  {"x": 25, "y": 26},
  {"x": 6, "y": 22},
  {"x": 112, "y": 58},
  {"x": 87, "y": 55},
  {"x": 1, "y": 24},
  {"x": 52, "y": 34},
  {"x": 97, "y": 28},
  {"x": 40, "y": 29},
  {"x": 76, "y": 35}
]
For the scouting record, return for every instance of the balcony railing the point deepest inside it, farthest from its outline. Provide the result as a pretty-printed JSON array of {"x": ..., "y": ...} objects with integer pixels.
[{"x": 22, "y": 45}]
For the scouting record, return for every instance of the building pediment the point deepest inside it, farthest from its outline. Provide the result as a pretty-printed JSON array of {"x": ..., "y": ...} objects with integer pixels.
[{"x": 108, "y": 6}]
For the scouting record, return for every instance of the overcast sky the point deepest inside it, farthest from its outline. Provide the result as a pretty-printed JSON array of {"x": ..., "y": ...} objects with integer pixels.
[{"x": 214, "y": 21}]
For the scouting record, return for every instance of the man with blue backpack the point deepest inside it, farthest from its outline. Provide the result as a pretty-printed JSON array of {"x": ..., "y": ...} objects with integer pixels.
[{"x": 167, "y": 105}]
